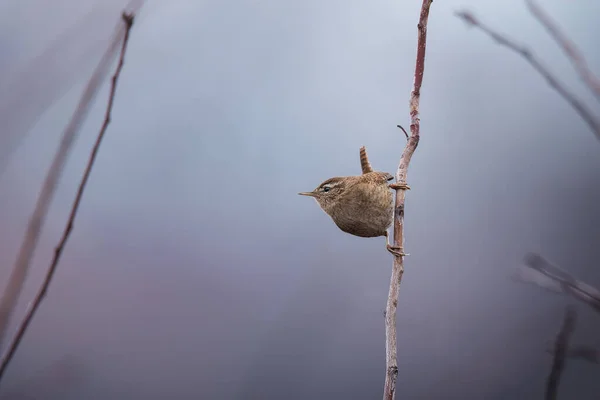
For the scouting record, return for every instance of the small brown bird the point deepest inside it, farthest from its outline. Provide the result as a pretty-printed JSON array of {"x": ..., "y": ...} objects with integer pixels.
[{"x": 360, "y": 205}]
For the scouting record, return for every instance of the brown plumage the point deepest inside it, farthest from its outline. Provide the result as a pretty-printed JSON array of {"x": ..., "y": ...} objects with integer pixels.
[{"x": 361, "y": 205}]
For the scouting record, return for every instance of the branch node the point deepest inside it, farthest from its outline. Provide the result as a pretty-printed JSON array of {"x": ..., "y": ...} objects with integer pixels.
[{"x": 128, "y": 19}]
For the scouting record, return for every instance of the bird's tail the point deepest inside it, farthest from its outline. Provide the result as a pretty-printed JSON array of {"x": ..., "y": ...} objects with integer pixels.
[{"x": 365, "y": 165}]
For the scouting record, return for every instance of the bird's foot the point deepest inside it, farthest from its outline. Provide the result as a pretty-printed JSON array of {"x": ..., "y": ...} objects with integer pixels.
[
  {"x": 397, "y": 251},
  {"x": 399, "y": 186}
]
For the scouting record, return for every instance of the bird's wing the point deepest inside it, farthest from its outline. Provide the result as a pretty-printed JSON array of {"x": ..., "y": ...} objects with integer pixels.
[{"x": 385, "y": 176}]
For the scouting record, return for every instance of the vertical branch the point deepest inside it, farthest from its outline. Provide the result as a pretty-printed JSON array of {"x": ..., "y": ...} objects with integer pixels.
[
  {"x": 21, "y": 268},
  {"x": 561, "y": 347},
  {"x": 7, "y": 356},
  {"x": 398, "y": 268}
]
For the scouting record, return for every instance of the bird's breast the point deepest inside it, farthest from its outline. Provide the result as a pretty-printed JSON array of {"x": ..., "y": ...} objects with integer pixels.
[{"x": 365, "y": 211}]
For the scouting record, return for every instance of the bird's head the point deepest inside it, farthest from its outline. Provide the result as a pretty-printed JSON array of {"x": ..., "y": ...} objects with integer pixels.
[{"x": 328, "y": 193}]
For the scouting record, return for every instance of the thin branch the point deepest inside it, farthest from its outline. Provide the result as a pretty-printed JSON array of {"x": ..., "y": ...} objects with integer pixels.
[
  {"x": 501, "y": 39},
  {"x": 561, "y": 346},
  {"x": 403, "y": 130},
  {"x": 38, "y": 217},
  {"x": 584, "y": 352},
  {"x": 573, "y": 54},
  {"x": 563, "y": 281},
  {"x": 391, "y": 359},
  {"x": 128, "y": 22},
  {"x": 579, "y": 352}
]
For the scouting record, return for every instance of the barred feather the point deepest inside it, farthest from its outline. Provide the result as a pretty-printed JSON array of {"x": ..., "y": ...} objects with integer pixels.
[{"x": 365, "y": 165}]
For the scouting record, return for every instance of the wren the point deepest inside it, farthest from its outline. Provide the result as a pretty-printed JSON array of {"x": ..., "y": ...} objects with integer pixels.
[{"x": 360, "y": 205}]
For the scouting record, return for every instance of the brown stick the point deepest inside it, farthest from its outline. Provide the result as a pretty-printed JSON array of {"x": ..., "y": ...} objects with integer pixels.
[
  {"x": 128, "y": 19},
  {"x": 391, "y": 359},
  {"x": 577, "y": 105},
  {"x": 573, "y": 54},
  {"x": 561, "y": 346}
]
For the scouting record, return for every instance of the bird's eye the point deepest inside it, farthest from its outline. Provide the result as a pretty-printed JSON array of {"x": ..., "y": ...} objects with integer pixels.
[{"x": 326, "y": 188}]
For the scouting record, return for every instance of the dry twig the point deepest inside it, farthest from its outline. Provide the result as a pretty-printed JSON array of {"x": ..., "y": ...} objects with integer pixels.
[
  {"x": 501, "y": 39},
  {"x": 561, "y": 346},
  {"x": 128, "y": 21},
  {"x": 403, "y": 130},
  {"x": 398, "y": 268},
  {"x": 577, "y": 59}
]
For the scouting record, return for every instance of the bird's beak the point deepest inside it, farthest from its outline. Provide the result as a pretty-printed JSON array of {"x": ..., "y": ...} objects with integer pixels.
[{"x": 311, "y": 194}]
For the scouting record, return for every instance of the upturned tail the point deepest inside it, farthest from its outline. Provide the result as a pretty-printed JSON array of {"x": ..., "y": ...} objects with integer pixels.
[{"x": 365, "y": 165}]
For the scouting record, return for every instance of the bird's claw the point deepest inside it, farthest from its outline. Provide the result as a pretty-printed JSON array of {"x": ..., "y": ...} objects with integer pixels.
[
  {"x": 399, "y": 186},
  {"x": 397, "y": 251}
]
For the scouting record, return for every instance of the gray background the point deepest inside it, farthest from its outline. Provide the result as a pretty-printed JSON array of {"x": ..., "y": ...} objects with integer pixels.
[{"x": 196, "y": 271}]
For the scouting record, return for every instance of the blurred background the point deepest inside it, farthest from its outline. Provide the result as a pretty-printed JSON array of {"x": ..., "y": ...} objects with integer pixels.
[{"x": 195, "y": 271}]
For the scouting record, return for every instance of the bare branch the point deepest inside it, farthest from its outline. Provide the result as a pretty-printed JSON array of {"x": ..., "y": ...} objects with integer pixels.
[
  {"x": 579, "y": 352},
  {"x": 577, "y": 59},
  {"x": 398, "y": 267},
  {"x": 565, "y": 282},
  {"x": 525, "y": 274},
  {"x": 584, "y": 352},
  {"x": 128, "y": 22},
  {"x": 561, "y": 346},
  {"x": 501, "y": 39}
]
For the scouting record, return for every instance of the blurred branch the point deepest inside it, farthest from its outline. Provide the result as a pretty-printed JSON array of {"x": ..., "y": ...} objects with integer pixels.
[
  {"x": 391, "y": 360},
  {"x": 128, "y": 22},
  {"x": 38, "y": 217},
  {"x": 541, "y": 272},
  {"x": 27, "y": 91},
  {"x": 501, "y": 39},
  {"x": 577, "y": 59},
  {"x": 580, "y": 351},
  {"x": 561, "y": 346}
]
